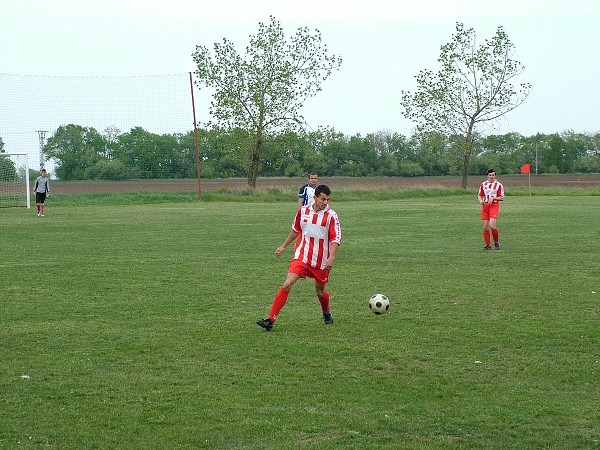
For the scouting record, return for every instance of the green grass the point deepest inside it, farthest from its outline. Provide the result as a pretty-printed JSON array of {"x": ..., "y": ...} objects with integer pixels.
[
  {"x": 283, "y": 195},
  {"x": 133, "y": 326}
]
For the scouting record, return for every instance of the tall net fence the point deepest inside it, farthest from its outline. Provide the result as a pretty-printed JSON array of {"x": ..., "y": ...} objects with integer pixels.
[{"x": 101, "y": 128}]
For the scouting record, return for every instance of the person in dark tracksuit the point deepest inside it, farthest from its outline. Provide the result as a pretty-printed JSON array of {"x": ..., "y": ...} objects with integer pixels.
[{"x": 41, "y": 188}]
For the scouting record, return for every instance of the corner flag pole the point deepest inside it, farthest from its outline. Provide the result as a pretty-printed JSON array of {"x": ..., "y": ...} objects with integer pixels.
[{"x": 526, "y": 168}]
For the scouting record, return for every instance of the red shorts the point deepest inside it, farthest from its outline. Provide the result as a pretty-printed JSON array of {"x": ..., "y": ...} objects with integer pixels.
[
  {"x": 490, "y": 211},
  {"x": 303, "y": 270}
]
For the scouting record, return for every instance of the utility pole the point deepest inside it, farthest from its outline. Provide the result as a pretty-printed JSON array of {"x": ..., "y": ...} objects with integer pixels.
[
  {"x": 537, "y": 136},
  {"x": 42, "y": 136}
]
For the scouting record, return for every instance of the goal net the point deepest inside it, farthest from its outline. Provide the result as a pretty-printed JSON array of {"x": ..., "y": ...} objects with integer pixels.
[{"x": 14, "y": 180}]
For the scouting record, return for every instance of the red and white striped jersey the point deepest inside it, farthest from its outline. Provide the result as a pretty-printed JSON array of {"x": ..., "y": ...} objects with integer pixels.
[
  {"x": 487, "y": 190},
  {"x": 317, "y": 231}
]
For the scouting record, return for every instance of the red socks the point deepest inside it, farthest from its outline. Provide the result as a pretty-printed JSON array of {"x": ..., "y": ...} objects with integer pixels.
[
  {"x": 324, "y": 301},
  {"x": 495, "y": 236},
  {"x": 278, "y": 302},
  {"x": 486, "y": 237},
  {"x": 281, "y": 298}
]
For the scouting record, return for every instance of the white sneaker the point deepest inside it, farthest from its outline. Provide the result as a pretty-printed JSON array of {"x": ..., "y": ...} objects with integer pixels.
[
  {"x": 39, "y": 214},
  {"x": 42, "y": 215}
]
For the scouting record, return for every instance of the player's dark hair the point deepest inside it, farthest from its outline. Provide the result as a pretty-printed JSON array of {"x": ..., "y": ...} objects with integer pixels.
[
  {"x": 322, "y": 188},
  {"x": 311, "y": 174},
  {"x": 490, "y": 171}
]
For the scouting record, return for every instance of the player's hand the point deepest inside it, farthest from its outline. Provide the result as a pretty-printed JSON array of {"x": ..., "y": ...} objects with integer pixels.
[{"x": 279, "y": 250}]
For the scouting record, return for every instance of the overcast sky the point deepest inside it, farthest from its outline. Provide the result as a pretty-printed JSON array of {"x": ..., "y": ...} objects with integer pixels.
[{"x": 383, "y": 43}]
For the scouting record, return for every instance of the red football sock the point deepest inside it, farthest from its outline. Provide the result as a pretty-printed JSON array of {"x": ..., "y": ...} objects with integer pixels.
[
  {"x": 495, "y": 235},
  {"x": 486, "y": 237},
  {"x": 278, "y": 302},
  {"x": 324, "y": 301}
]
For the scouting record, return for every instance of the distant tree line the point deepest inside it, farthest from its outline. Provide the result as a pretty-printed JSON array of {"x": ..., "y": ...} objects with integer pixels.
[
  {"x": 83, "y": 153},
  {"x": 8, "y": 170}
]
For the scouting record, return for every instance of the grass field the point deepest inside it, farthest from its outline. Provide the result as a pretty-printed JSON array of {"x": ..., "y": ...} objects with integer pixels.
[{"x": 133, "y": 327}]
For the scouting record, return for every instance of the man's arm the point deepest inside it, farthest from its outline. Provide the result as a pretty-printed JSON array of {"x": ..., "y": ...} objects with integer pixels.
[
  {"x": 500, "y": 194},
  {"x": 291, "y": 237},
  {"x": 332, "y": 251}
]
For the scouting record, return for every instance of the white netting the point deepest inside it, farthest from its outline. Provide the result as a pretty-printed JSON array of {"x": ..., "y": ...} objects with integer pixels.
[
  {"x": 34, "y": 107},
  {"x": 13, "y": 180}
]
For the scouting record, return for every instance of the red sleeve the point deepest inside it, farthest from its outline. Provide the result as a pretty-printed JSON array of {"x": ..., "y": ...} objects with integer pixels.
[
  {"x": 296, "y": 223},
  {"x": 335, "y": 230}
]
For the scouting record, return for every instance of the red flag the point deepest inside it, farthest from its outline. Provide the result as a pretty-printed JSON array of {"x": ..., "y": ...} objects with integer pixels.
[{"x": 526, "y": 168}]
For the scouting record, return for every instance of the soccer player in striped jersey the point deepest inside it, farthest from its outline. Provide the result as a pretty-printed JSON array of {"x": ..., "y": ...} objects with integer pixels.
[
  {"x": 317, "y": 232},
  {"x": 490, "y": 193},
  {"x": 306, "y": 195}
]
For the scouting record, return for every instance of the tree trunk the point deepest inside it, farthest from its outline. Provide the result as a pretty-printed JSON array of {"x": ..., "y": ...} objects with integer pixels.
[
  {"x": 467, "y": 152},
  {"x": 466, "y": 163},
  {"x": 254, "y": 164}
]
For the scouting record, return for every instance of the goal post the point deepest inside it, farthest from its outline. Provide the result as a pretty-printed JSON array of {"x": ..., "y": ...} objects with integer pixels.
[{"x": 14, "y": 180}]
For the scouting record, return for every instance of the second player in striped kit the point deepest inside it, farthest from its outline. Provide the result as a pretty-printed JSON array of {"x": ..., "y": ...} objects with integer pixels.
[{"x": 491, "y": 192}]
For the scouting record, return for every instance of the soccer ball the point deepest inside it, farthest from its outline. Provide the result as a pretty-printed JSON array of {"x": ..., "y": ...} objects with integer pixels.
[{"x": 379, "y": 304}]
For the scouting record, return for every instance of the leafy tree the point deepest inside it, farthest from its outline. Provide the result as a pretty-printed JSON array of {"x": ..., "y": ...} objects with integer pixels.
[
  {"x": 109, "y": 170},
  {"x": 380, "y": 144},
  {"x": 336, "y": 156},
  {"x": 560, "y": 152},
  {"x": 264, "y": 90},
  {"x": 75, "y": 148},
  {"x": 594, "y": 143},
  {"x": 505, "y": 153},
  {"x": 294, "y": 152},
  {"x": 576, "y": 146},
  {"x": 111, "y": 137},
  {"x": 551, "y": 153},
  {"x": 588, "y": 164},
  {"x": 8, "y": 169},
  {"x": 472, "y": 88},
  {"x": 410, "y": 169},
  {"x": 153, "y": 155},
  {"x": 220, "y": 149},
  {"x": 432, "y": 150}
]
